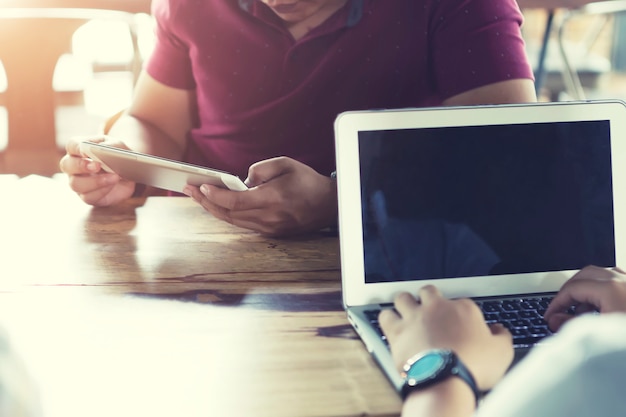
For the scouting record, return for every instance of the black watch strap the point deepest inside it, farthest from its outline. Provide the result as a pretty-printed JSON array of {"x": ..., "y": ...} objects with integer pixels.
[{"x": 459, "y": 369}]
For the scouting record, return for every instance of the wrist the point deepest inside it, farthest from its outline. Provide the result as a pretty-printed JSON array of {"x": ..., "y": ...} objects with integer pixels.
[
  {"x": 433, "y": 367},
  {"x": 451, "y": 397}
]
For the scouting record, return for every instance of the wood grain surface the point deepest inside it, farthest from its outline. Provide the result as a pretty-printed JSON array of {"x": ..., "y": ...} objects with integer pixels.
[{"x": 163, "y": 310}]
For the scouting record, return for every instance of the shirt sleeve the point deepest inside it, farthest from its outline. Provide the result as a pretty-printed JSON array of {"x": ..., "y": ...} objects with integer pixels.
[
  {"x": 579, "y": 372},
  {"x": 477, "y": 42},
  {"x": 170, "y": 61}
]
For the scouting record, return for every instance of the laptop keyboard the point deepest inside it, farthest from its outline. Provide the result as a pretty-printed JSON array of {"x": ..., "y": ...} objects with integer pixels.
[{"x": 523, "y": 316}]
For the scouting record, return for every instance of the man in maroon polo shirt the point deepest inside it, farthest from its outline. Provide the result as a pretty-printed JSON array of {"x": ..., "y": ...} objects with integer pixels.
[{"x": 253, "y": 87}]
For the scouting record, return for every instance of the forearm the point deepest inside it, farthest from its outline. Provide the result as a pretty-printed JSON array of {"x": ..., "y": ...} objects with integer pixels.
[
  {"x": 450, "y": 398},
  {"x": 142, "y": 136}
]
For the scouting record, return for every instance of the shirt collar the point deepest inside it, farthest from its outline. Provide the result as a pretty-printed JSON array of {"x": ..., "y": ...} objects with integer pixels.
[
  {"x": 354, "y": 16},
  {"x": 356, "y": 12},
  {"x": 245, "y": 5}
]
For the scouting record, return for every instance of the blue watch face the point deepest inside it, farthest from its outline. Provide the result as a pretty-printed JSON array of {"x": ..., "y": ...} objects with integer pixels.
[{"x": 426, "y": 367}]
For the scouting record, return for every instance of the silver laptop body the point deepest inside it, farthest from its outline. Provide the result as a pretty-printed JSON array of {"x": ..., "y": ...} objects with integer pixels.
[{"x": 483, "y": 202}]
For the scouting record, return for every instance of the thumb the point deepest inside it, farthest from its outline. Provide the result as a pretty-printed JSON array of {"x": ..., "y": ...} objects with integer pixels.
[
  {"x": 266, "y": 170},
  {"x": 556, "y": 321}
]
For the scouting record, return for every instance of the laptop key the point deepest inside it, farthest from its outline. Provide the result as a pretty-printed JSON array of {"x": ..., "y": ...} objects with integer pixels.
[
  {"x": 491, "y": 317},
  {"x": 539, "y": 321},
  {"x": 528, "y": 314},
  {"x": 491, "y": 306},
  {"x": 523, "y": 317},
  {"x": 519, "y": 333},
  {"x": 509, "y": 316},
  {"x": 539, "y": 331},
  {"x": 520, "y": 323},
  {"x": 511, "y": 306},
  {"x": 526, "y": 341}
]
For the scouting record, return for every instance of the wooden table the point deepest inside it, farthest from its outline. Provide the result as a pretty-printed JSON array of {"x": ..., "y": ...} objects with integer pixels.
[
  {"x": 36, "y": 33},
  {"x": 156, "y": 308}
]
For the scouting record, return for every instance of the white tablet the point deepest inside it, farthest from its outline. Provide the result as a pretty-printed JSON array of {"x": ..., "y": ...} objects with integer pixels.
[{"x": 156, "y": 171}]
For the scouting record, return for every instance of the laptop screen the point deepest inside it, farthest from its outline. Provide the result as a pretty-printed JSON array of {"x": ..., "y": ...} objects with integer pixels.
[{"x": 486, "y": 200}]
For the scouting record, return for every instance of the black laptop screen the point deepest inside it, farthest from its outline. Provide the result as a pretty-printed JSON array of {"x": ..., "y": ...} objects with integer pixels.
[{"x": 486, "y": 200}]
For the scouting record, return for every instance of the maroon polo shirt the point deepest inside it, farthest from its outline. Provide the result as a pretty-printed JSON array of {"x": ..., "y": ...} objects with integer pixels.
[{"x": 261, "y": 94}]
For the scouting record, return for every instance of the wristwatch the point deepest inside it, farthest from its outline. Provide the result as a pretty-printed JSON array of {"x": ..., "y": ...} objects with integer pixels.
[{"x": 433, "y": 366}]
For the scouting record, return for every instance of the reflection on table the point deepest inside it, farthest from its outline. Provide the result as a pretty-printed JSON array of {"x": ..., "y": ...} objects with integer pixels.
[{"x": 156, "y": 308}]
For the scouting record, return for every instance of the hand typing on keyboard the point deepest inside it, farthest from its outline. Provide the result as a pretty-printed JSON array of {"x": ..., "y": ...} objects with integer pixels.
[
  {"x": 436, "y": 322},
  {"x": 593, "y": 289},
  {"x": 483, "y": 340}
]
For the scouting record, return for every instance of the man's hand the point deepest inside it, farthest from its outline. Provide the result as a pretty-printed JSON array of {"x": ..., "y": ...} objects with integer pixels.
[
  {"x": 591, "y": 289},
  {"x": 435, "y": 322},
  {"x": 89, "y": 181},
  {"x": 285, "y": 198}
]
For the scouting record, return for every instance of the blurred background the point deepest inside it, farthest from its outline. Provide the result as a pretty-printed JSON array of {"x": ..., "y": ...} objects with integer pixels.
[{"x": 64, "y": 70}]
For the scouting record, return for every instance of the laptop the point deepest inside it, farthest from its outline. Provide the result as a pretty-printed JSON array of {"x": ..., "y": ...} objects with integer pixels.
[{"x": 502, "y": 204}]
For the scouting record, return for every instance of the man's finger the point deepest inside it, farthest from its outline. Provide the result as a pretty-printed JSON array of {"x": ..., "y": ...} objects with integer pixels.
[
  {"x": 428, "y": 292},
  {"x": 574, "y": 293},
  {"x": 405, "y": 303},
  {"x": 387, "y": 318},
  {"x": 266, "y": 170},
  {"x": 235, "y": 200}
]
